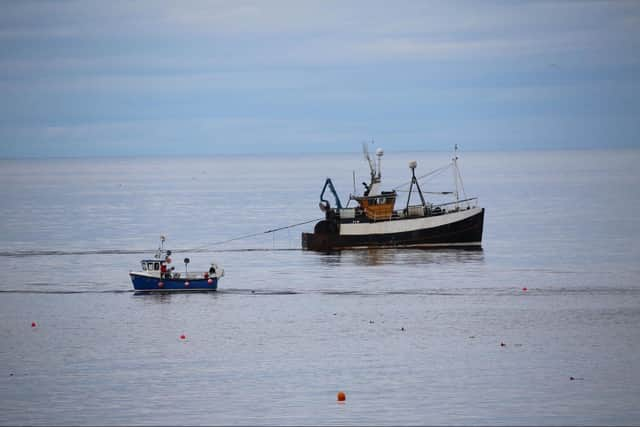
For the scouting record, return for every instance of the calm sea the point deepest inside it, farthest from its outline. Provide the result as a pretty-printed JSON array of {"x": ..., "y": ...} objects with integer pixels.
[{"x": 411, "y": 336}]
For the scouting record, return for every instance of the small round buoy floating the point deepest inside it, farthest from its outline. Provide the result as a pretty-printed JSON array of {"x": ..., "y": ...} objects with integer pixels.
[
  {"x": 341, "y": 396},
  {"x": 502, "y": 344},
  {"x": 33, "y": 324},
  {"x": 186, "y": 284},
  {"x": 183, "y": 337},
  {"x": 161, "y": 284},
  {"x": 210, "y": 281},
  {"x": 524, "y": 289}
]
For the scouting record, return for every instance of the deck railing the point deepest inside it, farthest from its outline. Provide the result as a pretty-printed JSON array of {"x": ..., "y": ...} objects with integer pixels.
[
  {"x": 374, "y": 216},
  {"x": 429, "y": 210},
  {"x": 439, "y": 209},
  {"x": 459, "y": 204}
]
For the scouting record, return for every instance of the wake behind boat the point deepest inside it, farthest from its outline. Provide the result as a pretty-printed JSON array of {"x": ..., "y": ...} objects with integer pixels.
[
  {"x": 375, "y": 222},
  {"x": 158, "y": 275}
]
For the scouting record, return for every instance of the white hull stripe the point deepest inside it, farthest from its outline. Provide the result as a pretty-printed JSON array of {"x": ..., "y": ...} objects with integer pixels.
[{"x": 405, "y": 225}]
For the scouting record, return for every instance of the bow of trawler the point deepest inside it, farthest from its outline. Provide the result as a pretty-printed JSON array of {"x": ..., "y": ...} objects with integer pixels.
[{"x": 376, "y": 222}]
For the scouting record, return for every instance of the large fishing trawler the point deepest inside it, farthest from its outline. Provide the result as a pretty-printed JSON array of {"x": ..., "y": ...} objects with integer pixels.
[{"x": 376, "y": 223}]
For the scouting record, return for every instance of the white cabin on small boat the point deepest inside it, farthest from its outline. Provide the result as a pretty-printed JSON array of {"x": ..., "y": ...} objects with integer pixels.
[{"x": 154, "y": 267}]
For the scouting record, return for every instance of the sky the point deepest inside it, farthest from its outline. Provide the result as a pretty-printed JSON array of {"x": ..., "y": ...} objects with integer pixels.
[{"x": 162, "y": 78}]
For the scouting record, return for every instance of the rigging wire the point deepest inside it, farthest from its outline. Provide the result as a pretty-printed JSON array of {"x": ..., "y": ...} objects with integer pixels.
[
  {"x": 431, "y": 174},
  {"x": 428, "y": 192},
  {"x": 246, "y": 236}
]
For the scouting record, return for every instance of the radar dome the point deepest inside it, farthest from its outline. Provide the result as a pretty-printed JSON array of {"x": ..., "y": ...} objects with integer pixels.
[
  {"x": 413, "y": 164},
  {"x": 379, "y": 152}
]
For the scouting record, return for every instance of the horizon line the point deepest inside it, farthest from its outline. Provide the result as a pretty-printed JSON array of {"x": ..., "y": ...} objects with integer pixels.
[{"x": 305, "y": 153}]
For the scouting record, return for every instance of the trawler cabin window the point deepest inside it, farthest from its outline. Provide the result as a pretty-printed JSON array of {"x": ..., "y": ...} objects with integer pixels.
[
  {"x": 144, "y": 266},
  {"x": 156, "y": 266}
]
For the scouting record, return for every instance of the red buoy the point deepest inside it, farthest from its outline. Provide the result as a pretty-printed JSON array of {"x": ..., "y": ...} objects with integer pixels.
[
  {"x": 33, "y": 324},
  {"x": 161, "y": 284},
  {"x": 341, "y": 396},
  {"x": 183, "y": 337},
  {"x": 524, "y": 289},
  {"x": 210, "y": 281}
]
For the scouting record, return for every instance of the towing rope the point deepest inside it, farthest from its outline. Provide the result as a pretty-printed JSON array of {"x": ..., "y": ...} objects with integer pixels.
[
  {"x": 205, "y": 248},
  {"x": 246, "y": 236}
]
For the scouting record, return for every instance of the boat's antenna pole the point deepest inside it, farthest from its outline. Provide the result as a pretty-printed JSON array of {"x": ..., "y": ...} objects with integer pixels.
[
  {"x": 372, "y": 166},
  {"x": 455, "y": 169},
  {"x": 354, "y": 183},
  {"x": 161, "y": 247}
]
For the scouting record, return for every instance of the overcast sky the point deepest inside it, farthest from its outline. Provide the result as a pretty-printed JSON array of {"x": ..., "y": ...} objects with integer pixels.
[{"x": 188, "y": 77}]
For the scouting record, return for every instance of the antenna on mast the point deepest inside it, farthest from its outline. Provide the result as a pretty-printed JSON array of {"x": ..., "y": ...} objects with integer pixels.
[
  {"x": 354, "y": 183},
  {"x": 457, "y": 178},
  {"x": 454, "y": 162},
  {"x": 372, "y": 165},
  {"x": 161, "y": 247},
  {"x": 379, "y": 154}
]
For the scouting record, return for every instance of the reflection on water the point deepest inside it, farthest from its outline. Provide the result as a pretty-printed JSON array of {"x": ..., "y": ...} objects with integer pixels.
[
  {"x": 167, "y": 297},
  {"x": 389, "y": 256}
]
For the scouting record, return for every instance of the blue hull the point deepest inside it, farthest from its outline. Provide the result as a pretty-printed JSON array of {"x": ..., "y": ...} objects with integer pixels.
[{"x": 145, "y": 283}]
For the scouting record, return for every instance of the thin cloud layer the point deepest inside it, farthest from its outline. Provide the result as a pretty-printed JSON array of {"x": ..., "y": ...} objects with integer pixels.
[{"x": 81, "y": 78}]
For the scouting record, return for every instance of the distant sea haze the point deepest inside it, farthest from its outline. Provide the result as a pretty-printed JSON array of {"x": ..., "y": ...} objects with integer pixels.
[{"x": 538, "y": 327}]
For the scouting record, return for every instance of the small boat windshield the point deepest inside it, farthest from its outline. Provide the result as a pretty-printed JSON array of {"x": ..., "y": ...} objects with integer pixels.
[{"x": 151, "y": 265}]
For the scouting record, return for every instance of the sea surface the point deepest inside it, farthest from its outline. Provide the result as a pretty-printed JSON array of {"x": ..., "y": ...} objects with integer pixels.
[{"x": 411, "y": 336}]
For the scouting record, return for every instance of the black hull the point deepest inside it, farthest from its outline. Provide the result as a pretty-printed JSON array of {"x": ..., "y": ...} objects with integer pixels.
[{"x": 463, "y": 233}]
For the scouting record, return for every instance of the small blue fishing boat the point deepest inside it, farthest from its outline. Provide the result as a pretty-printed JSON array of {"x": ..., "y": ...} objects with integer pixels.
[{"x": 158, "y": 275}]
